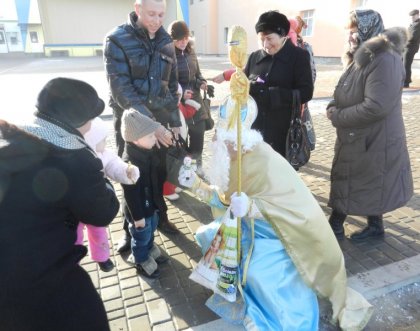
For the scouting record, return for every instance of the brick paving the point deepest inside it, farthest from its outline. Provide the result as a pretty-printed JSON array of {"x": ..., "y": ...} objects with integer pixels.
[{"x": 176, "y": 303}]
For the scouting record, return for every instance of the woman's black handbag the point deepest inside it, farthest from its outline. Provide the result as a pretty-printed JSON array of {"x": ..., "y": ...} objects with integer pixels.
[
  {"x": 175, "y": 159},
  {"x": 298, "y": 150},
  {"x": 206, "y": 105}
]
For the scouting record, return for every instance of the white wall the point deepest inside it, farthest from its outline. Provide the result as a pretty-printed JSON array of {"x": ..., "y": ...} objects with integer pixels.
[{"x": 8, "y": 10}]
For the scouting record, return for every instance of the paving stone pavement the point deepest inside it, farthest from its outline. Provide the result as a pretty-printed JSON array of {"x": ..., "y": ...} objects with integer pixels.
[{"x": 174, "y": 302}]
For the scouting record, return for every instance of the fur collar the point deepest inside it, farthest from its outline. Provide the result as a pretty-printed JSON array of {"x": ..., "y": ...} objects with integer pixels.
[{"x": 391, "y": 40}]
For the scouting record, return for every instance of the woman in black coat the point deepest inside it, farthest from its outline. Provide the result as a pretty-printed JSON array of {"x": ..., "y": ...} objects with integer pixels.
[
  {"x": 49, "y": 180},
  {"x": 274, "y": 71}
]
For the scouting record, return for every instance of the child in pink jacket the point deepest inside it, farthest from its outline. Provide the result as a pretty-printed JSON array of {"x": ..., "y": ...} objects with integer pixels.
[{"x": 117, "y": 170}]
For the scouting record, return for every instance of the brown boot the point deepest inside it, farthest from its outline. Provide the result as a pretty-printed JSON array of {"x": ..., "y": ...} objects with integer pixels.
[{"x": 165, "y": 226}]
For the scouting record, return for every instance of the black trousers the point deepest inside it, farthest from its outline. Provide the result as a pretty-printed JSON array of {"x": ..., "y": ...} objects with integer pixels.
[
  {"x": 336, "y": 215},
  {"x": 196, "y": 139},
  {"x": 408, "y": 61},
  {"x": 119, "y": 141}
]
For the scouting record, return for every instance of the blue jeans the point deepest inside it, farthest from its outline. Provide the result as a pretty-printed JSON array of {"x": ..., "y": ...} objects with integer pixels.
[{"x": 142, "y": 238}]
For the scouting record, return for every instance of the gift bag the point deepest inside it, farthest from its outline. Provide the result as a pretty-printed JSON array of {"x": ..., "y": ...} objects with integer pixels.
[
  {"x": 175, "y": 156},
  {"x": 218, "y": 268},
  {"x": 298, "y": 149}
]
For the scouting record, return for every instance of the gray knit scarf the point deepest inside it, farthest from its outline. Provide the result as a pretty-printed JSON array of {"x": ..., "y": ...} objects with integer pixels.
[{"x": 54, "y": 134}]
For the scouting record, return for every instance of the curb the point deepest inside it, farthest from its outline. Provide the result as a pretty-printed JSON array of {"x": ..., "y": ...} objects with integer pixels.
[
  {"x": 383, "y": 280},
  {"x": 371, "y": 285}
]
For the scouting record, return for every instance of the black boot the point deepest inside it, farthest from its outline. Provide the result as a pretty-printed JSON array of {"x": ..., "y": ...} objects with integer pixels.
[
  {"x": 165, "y": 226},
  {"x": 336, "y": 222},
  {"x": 375, "y": 228},
  {"x": 124, "y": 244}
]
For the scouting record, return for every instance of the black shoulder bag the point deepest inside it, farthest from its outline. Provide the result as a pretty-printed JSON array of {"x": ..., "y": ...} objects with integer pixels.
[{"x": 298, "y": 149}]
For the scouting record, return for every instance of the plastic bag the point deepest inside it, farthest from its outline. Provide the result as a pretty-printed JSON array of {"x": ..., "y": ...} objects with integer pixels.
[{"x": 218, "y": 268}]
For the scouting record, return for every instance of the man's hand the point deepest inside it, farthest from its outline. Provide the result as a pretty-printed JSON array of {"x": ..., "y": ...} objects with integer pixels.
[
  {"x": 163, "y": 136},
  {"x": 140, "y": 223},
  {"x": 239, "y": 204}
]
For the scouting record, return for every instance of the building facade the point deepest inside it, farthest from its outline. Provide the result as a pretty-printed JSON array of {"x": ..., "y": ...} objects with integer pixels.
[
  {"x": 326, "y": 19},
  {"x": 11, "y": 37},
  {"x": 67, "y": 28},
  {"x": 77, "y": 27}
]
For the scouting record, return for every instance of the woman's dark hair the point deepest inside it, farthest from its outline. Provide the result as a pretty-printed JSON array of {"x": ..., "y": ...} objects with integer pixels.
[{"x": 178, "y": 31}]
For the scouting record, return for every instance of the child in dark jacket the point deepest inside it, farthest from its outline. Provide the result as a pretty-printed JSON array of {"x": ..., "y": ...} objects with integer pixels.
[{"x": 141, "y": 200}]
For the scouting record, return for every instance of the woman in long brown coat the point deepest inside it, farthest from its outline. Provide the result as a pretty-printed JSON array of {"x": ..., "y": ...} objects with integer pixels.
[{"x": 371, "y": 172}]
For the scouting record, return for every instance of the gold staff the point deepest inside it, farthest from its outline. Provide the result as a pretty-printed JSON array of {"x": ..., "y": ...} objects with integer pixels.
[{"x": 239, "y": 89}]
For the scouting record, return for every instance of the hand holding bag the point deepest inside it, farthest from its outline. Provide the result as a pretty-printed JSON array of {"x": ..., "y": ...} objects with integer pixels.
[{"x": 298, "y": 149}]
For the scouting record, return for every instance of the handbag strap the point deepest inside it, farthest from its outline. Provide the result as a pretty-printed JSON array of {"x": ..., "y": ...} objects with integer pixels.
[
  {"x": 296, "y": 105},
  {"x": 180, "y": 142}
]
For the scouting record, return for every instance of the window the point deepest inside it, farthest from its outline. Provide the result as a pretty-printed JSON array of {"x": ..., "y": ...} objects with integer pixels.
[
  {"x": 2, "y": 40},
  {"x": 225, "y": 35},
  {"x": 192, "y": 33},
  {"x": 308, "y": 17},
  {"x": 191, "y": 2},
  {"x": 13, "y": 38},
  {"x": 34, "y": 37}
]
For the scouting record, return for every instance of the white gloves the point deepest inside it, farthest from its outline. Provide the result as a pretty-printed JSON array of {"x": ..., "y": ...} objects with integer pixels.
[
  {"x": 187, "y": 176},
  {"x": 239, "y": 205}
]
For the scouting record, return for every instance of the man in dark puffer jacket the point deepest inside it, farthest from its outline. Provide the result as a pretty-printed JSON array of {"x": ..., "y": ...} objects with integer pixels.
[{"x": 140, "y": 63}]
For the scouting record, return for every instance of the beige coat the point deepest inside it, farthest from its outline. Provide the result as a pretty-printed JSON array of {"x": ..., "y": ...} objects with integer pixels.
[{"x": 371, "y": 172}]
